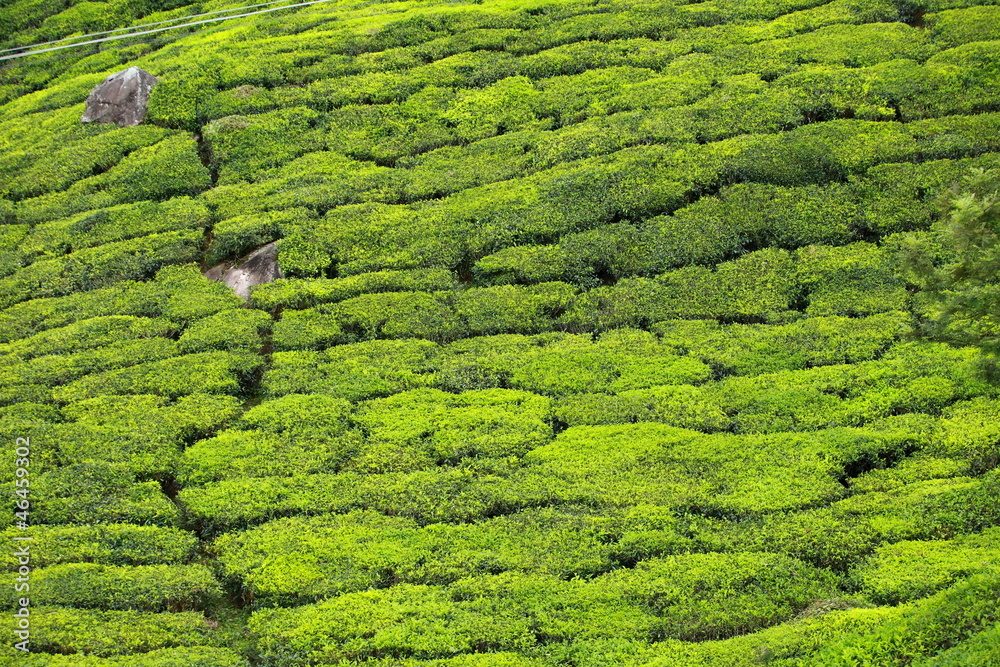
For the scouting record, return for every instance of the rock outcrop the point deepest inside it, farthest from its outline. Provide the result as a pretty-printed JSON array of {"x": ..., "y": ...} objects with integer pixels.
[
  {"x": 121, "y": 98},
  {"x": 257, "y": 268}
]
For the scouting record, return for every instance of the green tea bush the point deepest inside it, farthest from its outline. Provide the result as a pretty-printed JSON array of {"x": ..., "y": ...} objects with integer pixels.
[
  {"x": 751, "y": 349},
  {"x": 693, "y": 596},
  {"x": 109, "y": 544},
  {"x": 202, "y": 372},
  {"x": 82, "y": 158},
  {"x": 235, "y": 237},
  {"x": 968, "y": 432},
  {"x": 858, "y": 279},
  {"x": 188, "y": 656},
  {"x": 178, "y": 293},
  {"x": 149, "y": 432},
  {"x": 60, "y": 369},
  {"x": 113, "y": 633},
  {"x": 248, "y": 454},
  {"x": 961, "y": 26},
  {"x": 759, "y": 285},
  {"x": 139, "y": 587},
  {"x": 166, "y": 169},
  {"x": 237, "y": 329},
  {"x": 303, "y": 293},
  {"x": 355, "y": 371},
  {"x": 118, "y": 223},
  {"x": 320, "y": 548},
  {"x": 93, "y": 268},
  {"x": 424, "y": 427},
  {"x": 923, "y": 629},
  {"x": 907, "y": 570},
  {"x": 103, "y": 493},
  {"x": 86, "y": 334},
  {"x": 242, "y": 146}
]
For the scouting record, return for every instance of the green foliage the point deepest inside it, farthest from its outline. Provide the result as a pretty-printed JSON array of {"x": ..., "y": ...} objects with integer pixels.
[
  {"x": 907, "y": 570},
  {"x": 101, "y": 492},
  {"x": 139, "y": 587},
  {"x": 166, "y": 169},
  {"x": 93, "y": 268},
  {"x": 956, "y": 266},
  {"x": 299, "y": 294},
  {"x": 109, "y": 544},
  {"x": 858, "y": 279},
  {"x": 202, "y": 372},
  {"x": 177, "y": 293},
  {"x": 238, "y": 329},
  {"x": 514, "y": 611},
  {"x": 923, "y": 629},
  {"x": 113, "y": 633}
]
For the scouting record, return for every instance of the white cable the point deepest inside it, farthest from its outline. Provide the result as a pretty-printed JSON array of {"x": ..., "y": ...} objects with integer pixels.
[
  {"x": 144, "y": 25},
  {"x": 172, "y": 27}
]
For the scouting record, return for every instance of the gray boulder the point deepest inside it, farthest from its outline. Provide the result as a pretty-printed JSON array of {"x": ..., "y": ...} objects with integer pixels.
[
  {"x": 257, "y": 268},
  {"x": 121, "y": 98}
]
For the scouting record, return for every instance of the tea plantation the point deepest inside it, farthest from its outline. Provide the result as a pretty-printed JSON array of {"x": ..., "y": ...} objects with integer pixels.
[{"x": 593, "y": 348}]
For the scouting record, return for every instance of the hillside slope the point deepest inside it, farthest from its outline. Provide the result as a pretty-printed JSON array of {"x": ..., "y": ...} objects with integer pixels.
[{"x": 592, "y": 349}]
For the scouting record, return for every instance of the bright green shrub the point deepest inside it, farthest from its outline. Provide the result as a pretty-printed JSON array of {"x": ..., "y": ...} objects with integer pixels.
[
  {"x": 93, "y": 268},
  {"x": 677, "y": 405},
  {"x": 235, "y": 237},
  {"x": 180, "y": 102},
  {"x": 759, "y": 285},
  {"x": 859, "y": 279},
  {"x": 620, "y": 360},
  {"x": 750, "y": 349},
  {"x": 421, "y": 428},
  {"x": 167, "y": 169},
  {"x": 334, "y": 554},
  {"x": 907, "y": 570},
  {"x": 304, "y": 293},
  {"x": 307, "y": 329},
  {"x": 84, "y": 335},
  {"x": 316, "y": 415},
  {"x": 93, "y": 228},
  {"x": 709, "y": 596},
  {"x": 354, "y": 372},
  {"x": 238, "y": 329},
  {"x": 242, "y": 146},
  {"x": 82, "y": 158},
  {"x": 961, "y": 26},
  {"x": 506, "y": 106},
  {"x": 101, "y": 492},
  {"x": 187, "y": 656},
  {"x": 923, "y": 628},
  {"x": 60, "y": 369},
  {"x": 139, "y": 587},
  {"x": 396, "y": 315},
  {"x": 903, "y": 196},
  {"x": 148, "y": 432},
  {"x": 981, "y": 649},
  {"x": 203, "y": 372},
  {"x": 108, "y": 544},
  {"x": 510, "y": 309},
  {"x": 113, "y": 633},
  {"x": 968, "y": 431},
  {"x": 247, "y": 454}
]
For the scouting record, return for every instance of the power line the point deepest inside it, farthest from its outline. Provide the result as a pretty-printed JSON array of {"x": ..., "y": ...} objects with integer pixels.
[
  {"x": 144, "y": 25},
  {"x": 156, "y": 30}
]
